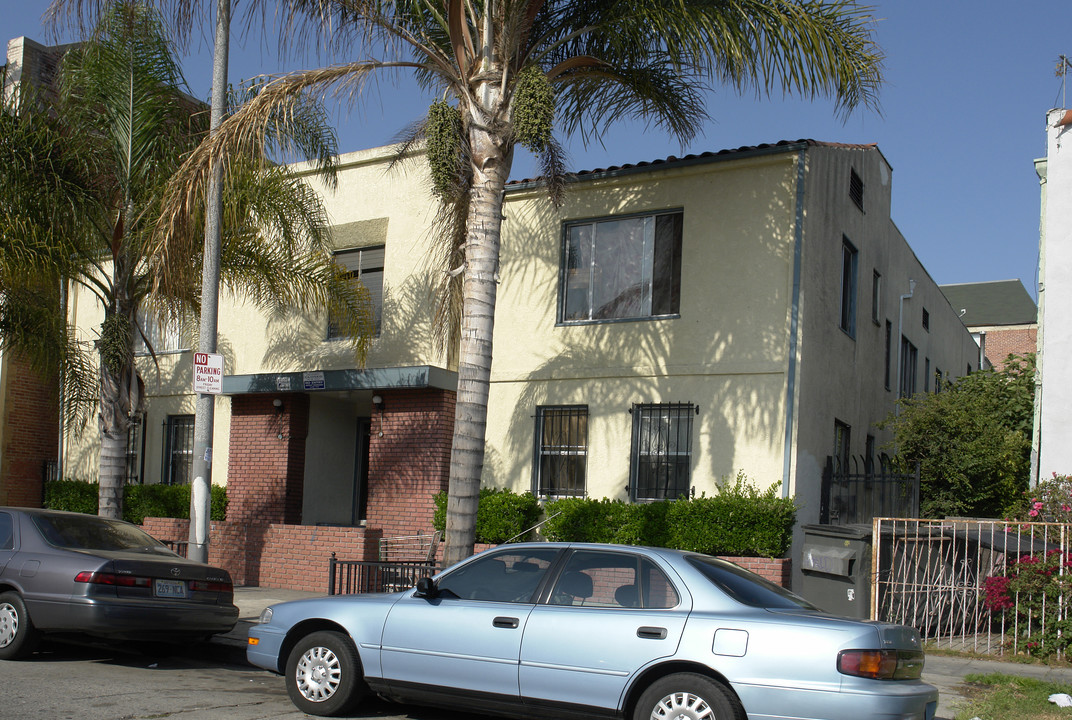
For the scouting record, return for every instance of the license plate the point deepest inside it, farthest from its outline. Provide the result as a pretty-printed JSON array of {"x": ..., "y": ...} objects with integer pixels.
[{"x": 170, "y": 588}]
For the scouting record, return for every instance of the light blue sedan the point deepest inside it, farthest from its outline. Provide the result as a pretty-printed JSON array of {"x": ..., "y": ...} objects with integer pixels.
[{"x": 555, "y": 630}]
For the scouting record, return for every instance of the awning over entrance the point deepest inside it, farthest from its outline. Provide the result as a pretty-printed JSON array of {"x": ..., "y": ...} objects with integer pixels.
[{"x": 420, "y": 376}]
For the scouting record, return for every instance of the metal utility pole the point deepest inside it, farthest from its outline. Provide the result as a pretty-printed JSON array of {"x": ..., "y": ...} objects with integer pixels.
[{"x": 200, "y": 492}]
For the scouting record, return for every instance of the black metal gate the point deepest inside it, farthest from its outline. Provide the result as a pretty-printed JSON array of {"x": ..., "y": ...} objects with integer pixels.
[{"x": 862, "y": 489}]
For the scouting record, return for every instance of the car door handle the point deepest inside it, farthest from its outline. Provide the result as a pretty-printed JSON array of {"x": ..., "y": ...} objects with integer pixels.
[
  {"x": 505, "y": 622},
  {"x": 651, "y": 633}
]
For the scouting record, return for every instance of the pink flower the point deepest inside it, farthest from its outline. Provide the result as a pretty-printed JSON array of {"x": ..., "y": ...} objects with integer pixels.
[
  {"x": 1033, "y": 513},
  {"x": 1038, "y": 505},
  {"x": 1066, "y": 508}
]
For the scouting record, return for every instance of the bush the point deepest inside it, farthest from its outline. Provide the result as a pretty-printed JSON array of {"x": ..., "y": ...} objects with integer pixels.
[
  {"x": 1029, "y": 595},
  {"x": 1049, "y": 501},
  {"x": 740, "y": 520},
  {"x": 501, "y": 516},
  {"x": 139, "y": 501}
]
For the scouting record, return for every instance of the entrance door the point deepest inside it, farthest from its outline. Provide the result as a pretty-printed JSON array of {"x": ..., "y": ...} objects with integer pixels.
[{"x": 361, "y": 465}]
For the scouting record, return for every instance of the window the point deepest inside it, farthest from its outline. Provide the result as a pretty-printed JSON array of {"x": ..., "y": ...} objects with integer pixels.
[
  {"x": 508, "y": 576},
  {"x": 876, "y": 297},
  {"x": 661, "y": 462},
  {"x": 869, "y": 455},
  {"x": 926, "y": 320},
  {"x": 594, "y": 578},
  {"x": 7, "y": 532},
  {"x": 156, "y": 335},
  {"x": 745, "y": 587},
  {"x": 937, "y": 379},
  {"x": 842, "y": 438},
  {"x": 561, "y": 450},
  {"x": 889, "y": 350},
  {"x": 179, "y": 450},
  {"x": 848, "y": 287},
  {"x": 364, "y": 265},
  {"x": 621, "y": 268},
  {"x": 926, "y": 374},
  {"x": 856, "y": 189},
  {"x": 909, "y": 357}
]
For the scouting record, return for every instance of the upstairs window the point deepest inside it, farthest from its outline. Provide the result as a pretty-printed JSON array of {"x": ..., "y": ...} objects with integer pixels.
[
  {"x": 876, "y": 297},
  {"x": 661, "y": 462},
  {"x": 926, "y": 320},
  {"x": 156, "y": 335},
  {"x": 856, "y": 189},
  {"x": 624, "y": 268},
  {"x": 849, "y": 258},
  {"x": 561, "y": 451},
  {"x": 364, "y": 265},
  {"x": 909, "y": 359}
]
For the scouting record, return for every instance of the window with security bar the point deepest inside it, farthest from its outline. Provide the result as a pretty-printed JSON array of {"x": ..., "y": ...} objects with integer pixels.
[
  {"x": 561, "y": 450},
  {"x": 179, "y": 449},
  {"x": 661, "y": 463}
]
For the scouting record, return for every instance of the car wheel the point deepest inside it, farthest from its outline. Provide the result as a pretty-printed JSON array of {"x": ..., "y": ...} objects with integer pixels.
[
  {"x": 687, "y": 696},
  {"x": 18, "y": 637},
  {"x": 324, "y": 674}
]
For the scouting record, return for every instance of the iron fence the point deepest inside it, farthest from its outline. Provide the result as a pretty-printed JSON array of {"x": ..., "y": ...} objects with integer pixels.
[
  {"x": 348, "y": 577},
  {"x": 859, "y": 489},
  {"x": 984, "y": 586}
]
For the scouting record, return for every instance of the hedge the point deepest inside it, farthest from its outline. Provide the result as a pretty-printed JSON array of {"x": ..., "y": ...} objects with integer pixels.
[
  {"x": 501, "y": 516},
  {"x": 139, "y": 501},
  {"x": 739, "y": 521}
]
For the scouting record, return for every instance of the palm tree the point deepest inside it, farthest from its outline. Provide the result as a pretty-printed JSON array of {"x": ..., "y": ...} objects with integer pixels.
[
  {"x": 81, "y": 186},
  {"x": 509, "y": 72}
]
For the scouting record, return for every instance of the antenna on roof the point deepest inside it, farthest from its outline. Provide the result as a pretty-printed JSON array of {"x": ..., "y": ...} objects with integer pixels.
[{"x": 1063, "y": 66}]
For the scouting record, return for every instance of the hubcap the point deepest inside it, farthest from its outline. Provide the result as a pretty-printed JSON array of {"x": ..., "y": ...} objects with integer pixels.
[
  {"x": 682, "y": 706},
  {"x": 318, "y": 674},
  {"x": 9, "y": 624}
]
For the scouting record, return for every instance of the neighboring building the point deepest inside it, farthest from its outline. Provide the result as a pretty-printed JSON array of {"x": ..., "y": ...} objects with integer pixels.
[
  {"x": 672, "y": 323},
  {"x": 1000, "y": 315},
  {"x": 29, "y": 418},
  {"x": 1053, "y": 395}
]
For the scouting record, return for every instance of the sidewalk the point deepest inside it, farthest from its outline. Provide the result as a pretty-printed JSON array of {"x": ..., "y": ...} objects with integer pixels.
[{"x": 945, "y": 672}]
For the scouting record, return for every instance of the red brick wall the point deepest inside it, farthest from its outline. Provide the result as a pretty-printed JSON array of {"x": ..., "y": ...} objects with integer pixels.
[
  {"x": 1000, "y": 343},
  {"x": 410, "y": 461},
  {"x": 281, "y": 556},
  {"x": 31, "y": 432},
  {"x": 266, "y": 465}
]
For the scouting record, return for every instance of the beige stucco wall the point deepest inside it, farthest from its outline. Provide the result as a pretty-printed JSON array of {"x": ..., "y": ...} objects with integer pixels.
[
  {"x": 726, "y": 353},
  {"x": 397, "y": 210}
]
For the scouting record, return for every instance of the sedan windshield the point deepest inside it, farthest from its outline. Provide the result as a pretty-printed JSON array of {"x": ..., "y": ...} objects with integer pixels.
[
  {"x": 747, "y": 588},
  {"x": 91, "y": 532}
]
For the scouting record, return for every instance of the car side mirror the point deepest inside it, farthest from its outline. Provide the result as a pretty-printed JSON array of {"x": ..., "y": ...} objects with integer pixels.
[{"x": 426, "y": 588}]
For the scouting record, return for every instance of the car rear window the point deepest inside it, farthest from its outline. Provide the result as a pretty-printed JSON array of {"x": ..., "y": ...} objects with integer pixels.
[
  {"x": 746, "y": 587},
  {"x": 90, "y": 532}
]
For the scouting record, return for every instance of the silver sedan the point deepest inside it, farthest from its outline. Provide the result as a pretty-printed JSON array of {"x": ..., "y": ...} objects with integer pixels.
[{"x": 570, "y": 630}]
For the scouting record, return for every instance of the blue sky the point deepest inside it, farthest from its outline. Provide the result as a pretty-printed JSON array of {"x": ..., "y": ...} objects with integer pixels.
[{"x": 967, "y": 88}]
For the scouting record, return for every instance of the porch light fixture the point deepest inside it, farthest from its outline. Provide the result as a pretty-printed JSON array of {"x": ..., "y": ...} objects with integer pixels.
[
  {"x": 278, "y": 405},
  {"x": 378, "y": 402}
]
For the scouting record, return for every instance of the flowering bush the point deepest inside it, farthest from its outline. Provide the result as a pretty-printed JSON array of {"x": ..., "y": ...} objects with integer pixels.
[
  {"x": 1033, "y": 595},
  {"x": 1049, "y": 501}
]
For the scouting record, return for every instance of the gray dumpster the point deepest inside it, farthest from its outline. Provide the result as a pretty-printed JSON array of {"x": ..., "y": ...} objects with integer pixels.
[{"x": 836, "y": 567}]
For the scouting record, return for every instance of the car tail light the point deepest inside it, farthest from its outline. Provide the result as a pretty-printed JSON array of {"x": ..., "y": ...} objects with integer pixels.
[
  {"x": 99, "y": 578},
  {"x": 881, "y": 664},
  {"x": 211, "y": 586}
]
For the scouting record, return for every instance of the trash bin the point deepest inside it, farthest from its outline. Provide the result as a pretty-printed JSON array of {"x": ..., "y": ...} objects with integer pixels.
[{"x": 836, "y": 568}]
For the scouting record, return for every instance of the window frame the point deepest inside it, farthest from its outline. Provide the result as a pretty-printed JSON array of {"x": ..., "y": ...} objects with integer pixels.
[
  {"x": 332, "y": 334},
  {"x": 540, "y": 450},
  {"x": 177, "y": 428},
  {"x": 673, "y": 289},
  {"x": 850, "y": 260},
  {"x": 876, "y": 297},
  {"x": 856, "y": 189},
  {"x": 679, "y": 461},
  {"x": 906, "y": 384}
]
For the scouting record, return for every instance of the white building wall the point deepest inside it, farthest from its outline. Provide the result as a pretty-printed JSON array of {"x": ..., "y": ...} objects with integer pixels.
[{"x": 1055, "y": 301}]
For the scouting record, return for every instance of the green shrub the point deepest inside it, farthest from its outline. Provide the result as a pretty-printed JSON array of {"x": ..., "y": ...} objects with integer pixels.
[
  {"x": 139, "y": 501},
  {"x": 501, "y": 516},
  {"x": 741, "y": 520}
]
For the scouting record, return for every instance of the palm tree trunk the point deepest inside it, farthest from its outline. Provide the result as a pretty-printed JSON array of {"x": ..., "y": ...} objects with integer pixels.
[
  {"x": 113, "y": 446},
  {"x": 492, "y": 167}
]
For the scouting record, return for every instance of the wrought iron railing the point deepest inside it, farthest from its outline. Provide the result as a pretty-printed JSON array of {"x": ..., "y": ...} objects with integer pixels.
[
  {"x": 986, "y": 586},
  {"x": 859, "y": 489},
  {"x": 348, "y": 577}
]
